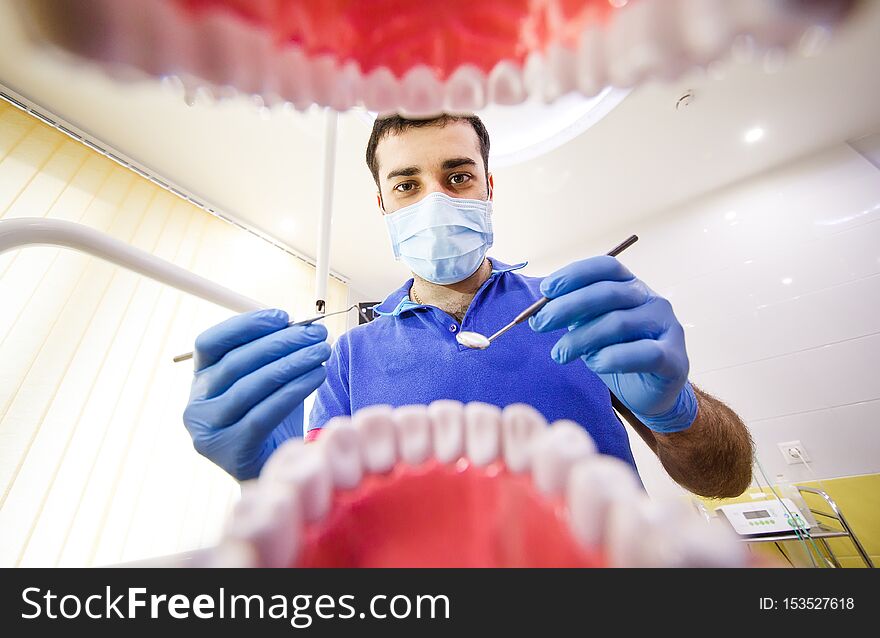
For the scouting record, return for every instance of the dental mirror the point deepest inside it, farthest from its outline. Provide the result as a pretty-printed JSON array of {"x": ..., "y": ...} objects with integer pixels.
[{"x": 477, "y": 341}]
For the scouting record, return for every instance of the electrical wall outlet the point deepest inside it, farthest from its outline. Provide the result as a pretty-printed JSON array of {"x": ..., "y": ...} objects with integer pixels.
[{"x": 791, "y": 457}]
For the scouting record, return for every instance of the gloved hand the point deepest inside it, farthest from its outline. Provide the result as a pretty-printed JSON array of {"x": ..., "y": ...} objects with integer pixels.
[
  {"x": 626, "y": 334},
  {"x": 252, "y": 373}
]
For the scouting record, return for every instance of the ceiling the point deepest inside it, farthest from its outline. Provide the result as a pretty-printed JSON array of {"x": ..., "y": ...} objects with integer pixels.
[{"x": 263, "y": 167}]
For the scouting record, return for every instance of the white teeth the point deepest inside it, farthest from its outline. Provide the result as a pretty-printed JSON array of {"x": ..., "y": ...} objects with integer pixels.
[
  {"x": 235, "y": 554},
  {"x": 304, "y": 469},
  {"x": 667, "y": 533},
  {"x": 323, "y": 78},
  {"x": 295, "y": 82},
  {"x": 635, "y": 533},
  {"x": 534, "y": 74},
  {"x": 267, "y": 519},
  {"x": 466, "y": 90},
  {"x": 413, "y": 433},
  {"x": 561, "y": 76},
  {"x": 621, "y": 39},
  {"x": 346, "y": 88},
  {"x": 506, "y": 84},
  {"x": 590, "y": 67},
  {"x": 593, "y": 485},
  {"x": 421, "y": 93},
  {"x": 381, "y": 91},
  {"x": 520, "y": 423},
  {"x": 555, "y": 451},
  {"x": 342, "y": 448},
  {"x": 705, "y": 545},
  {"x": 657, "y": 50},
  {"x": 481, "y": 432},
  {"x": 705, "y": 28},
  {"x": 447, "y": 429},
  {"x": 378, "y": 442}
]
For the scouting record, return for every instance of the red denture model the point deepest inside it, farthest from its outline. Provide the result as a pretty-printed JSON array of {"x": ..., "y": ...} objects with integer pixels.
[
  {"x": 453, "y": 485},
  {"x": 418, "y": 57}
]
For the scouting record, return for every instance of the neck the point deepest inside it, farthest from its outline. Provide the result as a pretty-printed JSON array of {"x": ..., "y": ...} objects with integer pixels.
[{"x": 453, "y": 299}]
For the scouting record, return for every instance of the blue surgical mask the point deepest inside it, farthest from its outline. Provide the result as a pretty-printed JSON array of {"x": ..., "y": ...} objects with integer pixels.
[{"x": 442, "y": 239}]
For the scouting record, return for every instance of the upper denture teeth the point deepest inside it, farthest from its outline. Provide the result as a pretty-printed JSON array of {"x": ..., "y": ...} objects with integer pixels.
[
  {"x": 619, "y": 40},
  {"x": 413, "y": 433},
  {"x": 593, "y": 485},
  {"x": 705, "y": 28},
  {"x": 554, "y": 453},
  {"x": 421, "y": 93},
  {"x": 590, "y": 67},
  {"x": 466, "y": 90},
  {"x": 381, "y": 90},
  {"x": 482, "y": 432},
  {"x": 520, "y": 423},
  {"x": 447, "y": 429},
  {"x": 302, "y": 469},
  {"x": 561, "y": 74},
  {"x": 342, "y": 449},
  {"x": 506, "y": 84},
  {"x": 346, "y": 88},
  {"x": 377, "y": 438}
]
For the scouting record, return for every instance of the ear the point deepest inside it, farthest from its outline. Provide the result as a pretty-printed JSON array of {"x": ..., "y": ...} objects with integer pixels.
[
  {"x": 379, "y": 202},
  {"x": 491, "y": 180}
]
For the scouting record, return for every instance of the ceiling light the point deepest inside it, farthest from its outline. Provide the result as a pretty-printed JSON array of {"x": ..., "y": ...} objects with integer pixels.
[
  {"x": 754, "y": 135},
  {"x": 525, "y": 131}
]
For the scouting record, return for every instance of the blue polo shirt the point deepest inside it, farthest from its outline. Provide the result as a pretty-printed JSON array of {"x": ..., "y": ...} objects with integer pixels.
[{"x": 409, "y": 355}]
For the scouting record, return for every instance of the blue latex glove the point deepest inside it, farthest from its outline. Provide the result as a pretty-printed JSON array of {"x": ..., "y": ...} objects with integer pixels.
[
  {"x": 626, "y": 334},
  {"x": 252, "y": 373}
]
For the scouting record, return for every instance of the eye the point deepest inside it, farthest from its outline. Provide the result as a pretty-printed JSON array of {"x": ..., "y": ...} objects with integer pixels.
[
  {"x": 404, "y": 187},
  {"x": 460, "y": 178}
]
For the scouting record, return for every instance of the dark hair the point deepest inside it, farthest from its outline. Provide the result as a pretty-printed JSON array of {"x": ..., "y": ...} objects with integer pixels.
[{"x": 394, "y": 124}]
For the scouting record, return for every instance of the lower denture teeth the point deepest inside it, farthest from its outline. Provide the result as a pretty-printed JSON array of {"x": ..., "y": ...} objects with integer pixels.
[
  {"x": 303, "y": 469},
  {"x": 481, "y": 432},
  {"x": 342, "y": 448},
  {"x": 377, "y": 438},
  {"x": 593, "y": 485},
  {"x": 555, "y": 451},
  {"x": 447, "y": 429},
  {"x": 608, "y": 513},
  {"x": 266, "y": 519},
  {"x": 633, "y": 539},
  {"x": 413, "y": 433},
  {"x": 520, "y": 423}
]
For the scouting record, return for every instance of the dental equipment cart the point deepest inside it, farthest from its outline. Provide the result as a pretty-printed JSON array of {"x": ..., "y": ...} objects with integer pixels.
[{"x": 820, "y": 532}]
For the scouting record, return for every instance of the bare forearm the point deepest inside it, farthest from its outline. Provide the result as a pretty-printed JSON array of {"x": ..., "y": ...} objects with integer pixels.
[{"x": 713, "y": 457}]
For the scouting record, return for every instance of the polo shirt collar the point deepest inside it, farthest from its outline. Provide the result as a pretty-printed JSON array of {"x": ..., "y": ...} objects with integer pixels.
[{"x": 399, "y": 301}]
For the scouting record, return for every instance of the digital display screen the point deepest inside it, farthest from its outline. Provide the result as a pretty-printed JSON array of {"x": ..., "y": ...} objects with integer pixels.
[{"x": 757, "y": 514}]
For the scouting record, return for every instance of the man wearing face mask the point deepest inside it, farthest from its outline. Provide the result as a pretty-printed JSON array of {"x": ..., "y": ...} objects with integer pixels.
[{"x": 435, "y": 194}]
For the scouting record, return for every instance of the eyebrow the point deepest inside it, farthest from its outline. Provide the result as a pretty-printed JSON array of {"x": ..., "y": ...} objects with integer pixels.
[{"x": 409, "y": 171}]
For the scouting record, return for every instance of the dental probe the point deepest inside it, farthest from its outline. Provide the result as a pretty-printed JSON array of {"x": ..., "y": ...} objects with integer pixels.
[
  {"x": 477, "y": 341},
  {"x": 304, "y": 322}
]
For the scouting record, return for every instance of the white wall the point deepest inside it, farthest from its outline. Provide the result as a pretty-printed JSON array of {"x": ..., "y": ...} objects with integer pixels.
[{"x": 777, "y": 282}]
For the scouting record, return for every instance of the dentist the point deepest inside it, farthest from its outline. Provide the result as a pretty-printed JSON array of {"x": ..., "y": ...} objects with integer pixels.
[{"x": 604, "y": 331}]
